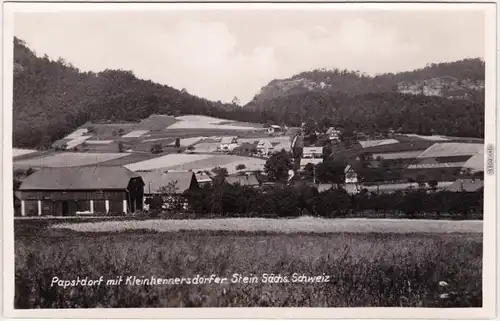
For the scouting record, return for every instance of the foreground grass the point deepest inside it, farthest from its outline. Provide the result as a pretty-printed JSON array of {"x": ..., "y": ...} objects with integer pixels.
[{"x": 366, "y": 270}]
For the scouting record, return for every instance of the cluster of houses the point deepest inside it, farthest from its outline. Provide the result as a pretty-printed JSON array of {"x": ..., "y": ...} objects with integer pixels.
[
  {"x": 88, "y": 190},
  {"x": 377, "y": 165},
  {"x": 230, "y": 144},
  {"x": 391, "y": 162}
]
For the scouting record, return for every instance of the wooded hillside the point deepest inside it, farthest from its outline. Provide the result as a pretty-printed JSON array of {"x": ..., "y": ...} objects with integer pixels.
[{"x": 52, "y": 98}]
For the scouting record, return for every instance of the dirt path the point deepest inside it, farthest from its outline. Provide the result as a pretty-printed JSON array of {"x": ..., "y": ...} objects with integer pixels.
[{"x": 303, "y": 224}]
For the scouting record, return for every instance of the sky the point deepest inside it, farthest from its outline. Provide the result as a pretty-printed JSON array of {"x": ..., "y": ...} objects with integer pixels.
[{"x": 220, "y": 55}]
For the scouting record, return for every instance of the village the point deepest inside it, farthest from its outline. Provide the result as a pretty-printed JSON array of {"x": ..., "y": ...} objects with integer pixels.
[
  {"x": 119, "y": 169},
  {"x": 274, "y": 156}
]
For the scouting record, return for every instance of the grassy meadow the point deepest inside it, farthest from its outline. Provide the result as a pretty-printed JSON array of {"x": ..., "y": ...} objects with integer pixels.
[{"x": 366, "y": 269}]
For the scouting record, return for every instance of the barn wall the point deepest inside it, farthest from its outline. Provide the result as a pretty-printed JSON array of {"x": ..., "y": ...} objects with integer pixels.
[
  {"x": 31, "y": 208},
  {"x": 116, "y": 206},
  {"x": 73, "y": 195},
  {"x": 68, "y": 203}
]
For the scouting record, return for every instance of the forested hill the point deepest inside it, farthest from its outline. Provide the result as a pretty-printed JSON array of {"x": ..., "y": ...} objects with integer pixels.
[
  {"x": 379, "y": 112},
  {"x": 457, "y": 79},
  {"x": 52, "y": 98},
  {"x": 446, "y": 98}
]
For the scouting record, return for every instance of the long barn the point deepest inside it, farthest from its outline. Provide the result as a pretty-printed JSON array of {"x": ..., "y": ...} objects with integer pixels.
[{"x": 70, "y": 191}]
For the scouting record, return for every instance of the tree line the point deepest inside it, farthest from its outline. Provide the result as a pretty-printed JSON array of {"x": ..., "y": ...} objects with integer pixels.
[
  {"x": 52, "y": 98},
  {"x": 282, "y": 201},
  {"x": 380, "y": 112}
]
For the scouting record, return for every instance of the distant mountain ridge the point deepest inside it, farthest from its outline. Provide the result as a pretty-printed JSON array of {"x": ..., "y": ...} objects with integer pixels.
[
  {"x": 53, "y": 98},
  {"x": 457, "y": 80}
]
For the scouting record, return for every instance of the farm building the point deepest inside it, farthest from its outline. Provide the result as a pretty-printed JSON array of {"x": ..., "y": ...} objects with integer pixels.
[
  {"x": 81, "y": 190},
  {"x": 444, "y": 161},
  {"x": 228, "y": 143},
  {"x": 374, "y": 143},
  {"x": 264, "y": 147},
  {"x": 391, "y": 151},
  {"x": 203, "y": 179},
  {"x": 446, "y": 151},
  {"x": 357, "y": 172},
  {"x": 475, "y": 163},
  {"x": 169, "y": 186},
  {"x": 246, "y": 149},
  {"x": 243, "y": 180}
]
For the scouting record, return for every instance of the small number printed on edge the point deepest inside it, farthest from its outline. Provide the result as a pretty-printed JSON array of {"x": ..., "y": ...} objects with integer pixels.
[{"x": 490, "y": 160}]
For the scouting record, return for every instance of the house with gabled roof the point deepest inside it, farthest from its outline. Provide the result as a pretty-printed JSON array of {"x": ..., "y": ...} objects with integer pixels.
[
  {"x": 243, "y": 180},
  {"x": 264, "y": 147},
  {"x": 203, "y": 179},
  {"x": 475, "y": 163},
  {"x": 311, "y": 155},
  {"x": 443, "y": 161},
  {"x": 350, "y": 174},
  {"x": 273, "y": 129},
  {"x": 466, "y": 185},
  {"x": 227, "y": 143},
  {"x": 90, "y": 190},
  {"x": 168, "y": 182},
  {"x": 333, "y": 134},
  {"x": 170, "y": 186}
]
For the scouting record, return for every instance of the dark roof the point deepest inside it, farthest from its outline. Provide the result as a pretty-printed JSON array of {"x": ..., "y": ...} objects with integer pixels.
[
  {"x": 227, "y": 139},
  {"x": 155, "y": 180},
  {"x": 389, "y": 148},
  {"x": 299, "y": 143},
  {"x": 79, "y": 178},
  {"x": 243, "y": 180},
  {"x": 452, "y": 149},
  {"x": 466, "y": 185},
  {"x": 367, "y": 174},
  {"x": 246, "y": 145}
]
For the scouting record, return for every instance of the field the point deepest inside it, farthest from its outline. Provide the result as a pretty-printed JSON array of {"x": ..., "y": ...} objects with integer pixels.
[
  {"x": 365, "y": 270},
  {"x": 195, "y": 121},
  {"x": 297, "y": 225},
  {"x": 436, "y": 138},
  {"x": 166, "y": 161},
  {"x": 190, "y": 128},
  {"x": 68, "y": 159},
  {"x": 16, "y": 152},
  {"x": 197, "y": 162},
  {"x": 230, "y": 162}
]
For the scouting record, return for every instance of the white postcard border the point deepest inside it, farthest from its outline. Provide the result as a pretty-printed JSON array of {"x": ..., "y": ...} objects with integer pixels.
[{"x": 489, "y": 232}]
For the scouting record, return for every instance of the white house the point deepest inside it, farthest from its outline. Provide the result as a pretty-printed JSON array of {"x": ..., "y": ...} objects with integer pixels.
[
  {"x": 264, "y": 147},
  {"x": 273, "y": 129},
  {"x": 351, "y": 176},
  {"x": 311, "y": 155},
  {"x": 312, "y": 152},
  {"x": 333, "y": 134},
  {"x": 228, "y": 143}
]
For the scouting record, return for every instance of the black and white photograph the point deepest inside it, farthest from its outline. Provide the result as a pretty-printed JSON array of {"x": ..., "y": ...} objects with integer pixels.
[{"x": 281, "y": 156}]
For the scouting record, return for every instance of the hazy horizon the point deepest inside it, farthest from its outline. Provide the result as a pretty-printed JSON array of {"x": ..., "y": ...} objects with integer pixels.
[{"x": 218, "y": 55}]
